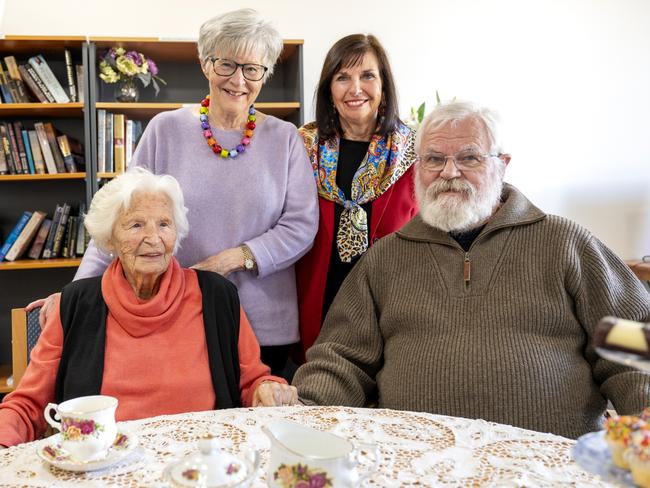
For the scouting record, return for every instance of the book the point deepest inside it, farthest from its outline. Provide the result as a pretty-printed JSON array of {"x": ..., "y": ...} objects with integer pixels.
[
  {"x": 47, "y": 77},
  {"x": 67, "y": 248},
  {"x": 6, "y": 148},
  {"x": 79, "y": 70},
  {"x": 31, "y": 84},
  {"x": 18, "y": 132},
  {"x": 68, "y": 160},
  {"x": 71, "y": 75},
  {"x": 128, "y": 143},
  {"x": 14, "y": 149},
  {"x": 37, "y": 79},
  {"x": 45, "y": 148},
  {"x": 60, "y": 231},
  {"x": 110, "y": 167},
  {"x": 4, "y": 86},
  {"x": 50, "y": 131},
  {"x": 28, "y": 151},
  {"x": 80, "y": 248},
  {"x": 49, "y": 241},
  {"x": 26, "y": 236},
  {"x": 101, "y": 141},
  {"x": 14, "y": 74},
  {"x": 4, "y": 168},
  {"x": 13, "y": 235},
  {"x": 37, "y": 246},
  {"x": 118, "y": 141},
  {"x": 37, "y": 155}
]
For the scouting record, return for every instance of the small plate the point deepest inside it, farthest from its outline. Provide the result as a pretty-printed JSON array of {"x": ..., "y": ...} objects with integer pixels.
[
  {"x": 592, "y": 454},
  {"x": 633, "y": 360},
  {"x": 53, "y": 454}
]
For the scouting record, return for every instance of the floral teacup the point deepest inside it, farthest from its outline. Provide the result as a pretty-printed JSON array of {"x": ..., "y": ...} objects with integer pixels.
[{"x": 87, "y": 425}]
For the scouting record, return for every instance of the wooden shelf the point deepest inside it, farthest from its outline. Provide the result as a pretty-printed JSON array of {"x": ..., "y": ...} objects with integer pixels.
[
  {"x": 39, "y": 264},
  {"x": 107, "y": 176},
  {"x": 32, "y": 45},
  {"x": 5, "y": 372},
  {"x": 147, "y": 110},
  {"x": 38, "y": 110},
  {"x": 57, "y": 176},
  {"x": 161, "y": 49}
]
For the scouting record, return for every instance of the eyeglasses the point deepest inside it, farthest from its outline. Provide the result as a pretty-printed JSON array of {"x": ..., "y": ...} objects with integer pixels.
[
  {"x": 464, "y": 161},
  {"x": 227, "y": 67}
]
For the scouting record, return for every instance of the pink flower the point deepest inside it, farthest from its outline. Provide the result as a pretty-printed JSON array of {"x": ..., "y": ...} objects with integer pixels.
[
  {"x": 318, "y": 480},
  {"x": 87, "y": 427}
]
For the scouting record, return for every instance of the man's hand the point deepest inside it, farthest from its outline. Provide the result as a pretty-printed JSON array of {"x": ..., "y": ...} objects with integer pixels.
[
  {"x": 274, "y": 394},
  {"x": 223, "y": 263},
  {"x": 46, "y": 305}
]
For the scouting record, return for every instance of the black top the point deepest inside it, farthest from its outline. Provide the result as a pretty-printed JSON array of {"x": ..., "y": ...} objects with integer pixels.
[
  {"x": 351, "y": 154},
  {"x": 83, "y": 317},
  {"x": 465, "y": 239}
]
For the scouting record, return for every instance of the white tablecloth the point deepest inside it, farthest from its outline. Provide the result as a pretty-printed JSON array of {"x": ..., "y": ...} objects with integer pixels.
[{"x": 417, "y": 449}]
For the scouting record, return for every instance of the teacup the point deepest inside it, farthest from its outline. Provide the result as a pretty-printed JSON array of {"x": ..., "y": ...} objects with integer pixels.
[{"x": 87, "y": 425}]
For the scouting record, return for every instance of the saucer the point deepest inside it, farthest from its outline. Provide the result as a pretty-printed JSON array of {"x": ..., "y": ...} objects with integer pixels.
[{"x": 52, "y": 453}]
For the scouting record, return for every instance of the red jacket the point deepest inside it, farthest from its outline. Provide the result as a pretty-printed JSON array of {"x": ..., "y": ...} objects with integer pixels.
[{"x": 390, "y": 212}]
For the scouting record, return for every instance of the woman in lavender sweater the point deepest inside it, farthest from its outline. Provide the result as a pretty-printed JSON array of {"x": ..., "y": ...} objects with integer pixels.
[{"x": 253, "y": 208}]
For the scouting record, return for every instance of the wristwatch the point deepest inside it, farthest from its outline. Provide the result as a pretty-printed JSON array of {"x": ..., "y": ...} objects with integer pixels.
[{"x": 249, "y": 259}]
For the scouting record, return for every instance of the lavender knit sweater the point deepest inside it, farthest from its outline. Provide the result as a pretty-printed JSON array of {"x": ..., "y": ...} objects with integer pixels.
[{"x": 265, "y": 198}]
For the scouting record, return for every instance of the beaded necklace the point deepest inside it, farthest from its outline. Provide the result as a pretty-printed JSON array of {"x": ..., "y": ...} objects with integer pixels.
[{"x": 207, "y": 132}]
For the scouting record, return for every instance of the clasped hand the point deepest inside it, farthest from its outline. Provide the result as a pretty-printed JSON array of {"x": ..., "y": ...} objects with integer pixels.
[{"x": 274, "y": 394}]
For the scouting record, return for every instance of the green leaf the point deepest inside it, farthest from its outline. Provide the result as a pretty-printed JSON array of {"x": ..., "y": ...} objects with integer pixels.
[
  {"x": 421, "y": 112},
  {"x": 437, "y": 98}
]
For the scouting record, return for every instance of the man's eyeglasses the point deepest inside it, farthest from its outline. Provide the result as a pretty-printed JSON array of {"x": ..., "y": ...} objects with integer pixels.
[
  {"x": 464, "y": 161},
  {"x": 227, "y": 67}
]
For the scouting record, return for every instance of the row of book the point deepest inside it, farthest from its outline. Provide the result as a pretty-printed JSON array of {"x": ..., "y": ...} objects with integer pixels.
[
  {"x": 117, "y": 137},
  {"x": 39, "y": 150},
  {"x": 62, "y": 236},
  {"x": 34, "y": 81}
]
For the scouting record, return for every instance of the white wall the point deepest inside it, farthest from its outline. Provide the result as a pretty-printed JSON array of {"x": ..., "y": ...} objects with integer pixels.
[{"x": 571, "y": 79}]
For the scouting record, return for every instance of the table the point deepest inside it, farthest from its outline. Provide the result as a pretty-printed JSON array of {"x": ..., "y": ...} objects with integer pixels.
[
  {"x": 418, "y": 449},
  {"x": 641, "y": 268}
]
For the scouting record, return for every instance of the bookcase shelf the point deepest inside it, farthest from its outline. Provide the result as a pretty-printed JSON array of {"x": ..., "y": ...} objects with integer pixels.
[
  {"x": 56, "y": 176},
  {"x": 148, "y": 110},
  {"x": 38, "y": 110},
  {"x": 39, "y": 264}
]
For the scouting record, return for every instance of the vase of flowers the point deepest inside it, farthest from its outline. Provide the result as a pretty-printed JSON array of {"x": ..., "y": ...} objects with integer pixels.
[{"x": 118, "y": 65}]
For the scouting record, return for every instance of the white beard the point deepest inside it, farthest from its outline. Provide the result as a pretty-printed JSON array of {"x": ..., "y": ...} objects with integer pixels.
[{"x": 463, "y": 211}]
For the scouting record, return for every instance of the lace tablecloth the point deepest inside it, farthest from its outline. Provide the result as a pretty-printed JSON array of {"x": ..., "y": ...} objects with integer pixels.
[{"x": 417, "y": 449}]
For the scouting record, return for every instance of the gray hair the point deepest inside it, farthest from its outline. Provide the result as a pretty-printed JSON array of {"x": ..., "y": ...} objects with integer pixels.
[
  {"x": 240, "y": 32},
  {"x": 115, "y": 196},
  {"x": 456, "y": 111}
]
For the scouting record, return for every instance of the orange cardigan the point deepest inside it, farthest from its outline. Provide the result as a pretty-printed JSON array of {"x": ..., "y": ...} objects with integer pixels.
[{"x": 156, "y": 362}]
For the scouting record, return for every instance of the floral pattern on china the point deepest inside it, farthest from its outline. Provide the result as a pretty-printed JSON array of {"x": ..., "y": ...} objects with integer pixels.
[
  {"x": 75, "y": 429},
  {"x": 301, "y": 476}
]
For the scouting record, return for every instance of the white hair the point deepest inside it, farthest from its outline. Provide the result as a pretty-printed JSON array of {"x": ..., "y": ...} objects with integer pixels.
[
  {"x": 115, "y": 197},
  {"x": 457, "y": 111},
  {"x": 240, "y": 32}
]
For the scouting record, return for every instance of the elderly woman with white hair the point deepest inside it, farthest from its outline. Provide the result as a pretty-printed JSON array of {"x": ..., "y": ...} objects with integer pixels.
[
  {"x": 249, "y": 186},
  {"x": 160, "y": 338}
]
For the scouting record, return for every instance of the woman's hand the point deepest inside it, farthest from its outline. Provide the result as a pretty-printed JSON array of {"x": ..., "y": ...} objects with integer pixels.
[
  {"x": 46, "y": 305},
  {"x": 274, "y": 394},
  {"x": 223, "y": 263}
]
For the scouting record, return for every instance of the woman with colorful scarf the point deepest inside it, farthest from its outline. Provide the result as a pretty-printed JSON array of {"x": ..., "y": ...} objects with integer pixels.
[{"x": 362, "y": 156}]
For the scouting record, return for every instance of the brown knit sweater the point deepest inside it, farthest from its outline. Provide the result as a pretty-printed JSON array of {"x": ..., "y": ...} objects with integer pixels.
[{"x": 512, "y": 345}]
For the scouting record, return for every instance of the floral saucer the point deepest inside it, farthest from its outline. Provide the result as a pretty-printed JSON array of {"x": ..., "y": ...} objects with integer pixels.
[{"x": 52, "y": 453}]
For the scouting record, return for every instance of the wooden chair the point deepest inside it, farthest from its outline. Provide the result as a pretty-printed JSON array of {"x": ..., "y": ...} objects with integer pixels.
[{"x": 25, "y": 331}]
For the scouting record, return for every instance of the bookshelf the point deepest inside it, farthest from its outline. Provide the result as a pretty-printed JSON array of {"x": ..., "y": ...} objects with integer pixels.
[{"x": 281, "y": 96}]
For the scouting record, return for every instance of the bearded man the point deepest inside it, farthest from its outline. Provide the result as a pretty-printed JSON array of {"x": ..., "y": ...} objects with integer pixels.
[{"x": 482, "y": 306}]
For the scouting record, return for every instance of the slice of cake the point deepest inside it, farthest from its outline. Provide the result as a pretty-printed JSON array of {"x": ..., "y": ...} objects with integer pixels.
[
  {"x": 623, "y": 335},
  {"x": 638, "y": 456}
]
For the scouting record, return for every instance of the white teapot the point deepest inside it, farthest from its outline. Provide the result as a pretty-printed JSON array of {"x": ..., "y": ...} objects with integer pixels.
[
  {"x": 211, "y": 468},
  {"x": 302, "y": 455}
]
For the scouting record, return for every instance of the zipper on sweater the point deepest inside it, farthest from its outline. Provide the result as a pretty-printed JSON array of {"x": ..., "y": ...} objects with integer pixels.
[{"x": 467, "y": 269}]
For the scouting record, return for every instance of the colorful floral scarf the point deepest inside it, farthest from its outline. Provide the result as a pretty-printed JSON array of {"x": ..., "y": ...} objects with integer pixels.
[{"x": 388, "y": 158}]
